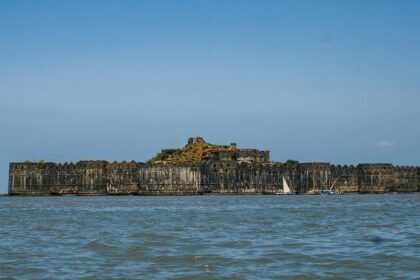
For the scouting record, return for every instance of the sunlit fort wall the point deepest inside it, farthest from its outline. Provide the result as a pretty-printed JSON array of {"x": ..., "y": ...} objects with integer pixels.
[{"x": 206, "y": 177}]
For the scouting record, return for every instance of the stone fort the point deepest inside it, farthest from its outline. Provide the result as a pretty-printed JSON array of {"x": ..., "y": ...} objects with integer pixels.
[{"x": 204, "y": 168}]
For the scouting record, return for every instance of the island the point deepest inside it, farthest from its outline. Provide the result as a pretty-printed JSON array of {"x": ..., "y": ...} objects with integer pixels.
[{"x": 204, "y": 168}]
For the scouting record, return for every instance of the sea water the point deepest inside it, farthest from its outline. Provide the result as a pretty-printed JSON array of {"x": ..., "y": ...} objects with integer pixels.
[{"x": 210, "y": 237}]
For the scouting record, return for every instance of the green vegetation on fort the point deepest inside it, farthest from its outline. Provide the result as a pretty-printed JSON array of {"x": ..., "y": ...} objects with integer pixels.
[
  {"x": 195, "y": 150},
  {"x": 165, "y": 154},
  {"x": 289, "y": 162},
  {"x": 235, "y": 156},
  {"x": 41, "y": 163}
]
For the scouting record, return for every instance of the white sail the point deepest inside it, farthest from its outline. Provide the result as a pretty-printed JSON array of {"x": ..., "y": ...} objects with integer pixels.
[{"x": 286, "y": 188}]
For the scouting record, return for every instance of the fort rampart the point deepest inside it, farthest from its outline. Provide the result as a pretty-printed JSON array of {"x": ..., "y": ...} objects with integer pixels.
[
  {"x": 205, "y": 177},
  {"x": 201, "y": 168}
]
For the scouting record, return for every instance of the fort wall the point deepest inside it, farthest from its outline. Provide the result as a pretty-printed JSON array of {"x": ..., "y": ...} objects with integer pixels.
[{"x": 206, "y": 177}]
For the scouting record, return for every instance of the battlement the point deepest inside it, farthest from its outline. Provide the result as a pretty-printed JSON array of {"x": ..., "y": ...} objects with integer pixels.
[
  {"x": 315, "y": 164},
  {"x": 375, "y": 167},
  {"x": 41, "y": 165},
  {"x": 201, "y": 167}
]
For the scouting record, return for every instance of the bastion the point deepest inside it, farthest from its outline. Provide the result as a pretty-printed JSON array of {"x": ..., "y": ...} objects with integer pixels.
[{"x": 204, "y": 168}]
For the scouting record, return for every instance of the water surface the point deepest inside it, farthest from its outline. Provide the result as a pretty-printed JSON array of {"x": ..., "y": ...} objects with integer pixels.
[{"x": 210, "y": 237}]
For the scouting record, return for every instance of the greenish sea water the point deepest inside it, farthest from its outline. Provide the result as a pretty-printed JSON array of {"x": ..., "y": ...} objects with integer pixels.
[{"x": 210, "y": 237}]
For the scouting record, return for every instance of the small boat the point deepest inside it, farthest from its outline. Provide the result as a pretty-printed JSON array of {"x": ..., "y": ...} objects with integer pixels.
[
  {"x": 331, "y": 190},
  {"x": 285, "y": 190},
  {"x": 327, "y": 192}
]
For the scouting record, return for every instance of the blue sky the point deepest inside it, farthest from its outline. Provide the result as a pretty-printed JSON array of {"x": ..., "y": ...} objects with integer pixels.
[{"x": 330, "y": 81}]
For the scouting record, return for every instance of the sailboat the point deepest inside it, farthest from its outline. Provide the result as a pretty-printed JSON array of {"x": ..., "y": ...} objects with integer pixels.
[{"x": 286, "y": 189}]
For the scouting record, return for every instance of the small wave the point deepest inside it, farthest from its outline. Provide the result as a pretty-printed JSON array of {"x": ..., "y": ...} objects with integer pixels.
[
  {"x": 7, "y": 278},
  {"x": 210, "y": 260},
  {"x": 100, "y": 247},
  {"x": 385, "y": 257},
  {"x": 291, "y": 256},
  {"x": 375, "y": 239},
  {"x": 263, "y": 260},
  {"x": 32, "y": 270},
  {"x": 6, "y": 268},
  {"x": 137, "y": 253},
  {"x": 351, "y": 263}
]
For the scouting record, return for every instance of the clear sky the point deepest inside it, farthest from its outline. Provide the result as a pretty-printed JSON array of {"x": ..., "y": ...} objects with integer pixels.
[{"x": 334, "y": 81}]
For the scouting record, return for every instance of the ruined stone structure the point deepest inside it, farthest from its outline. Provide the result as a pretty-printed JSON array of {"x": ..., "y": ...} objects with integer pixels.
[{"x": 213, "y": 170}]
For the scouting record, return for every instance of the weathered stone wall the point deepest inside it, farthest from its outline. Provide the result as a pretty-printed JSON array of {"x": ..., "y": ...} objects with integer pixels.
[
  {"x": 169, "y": 178},
  {"x": 313, "y": 176},
  {"x": 345, "y": 178},
  {"x": 212, "y": 176},
  {"x": 406, "y": 179},
  {"x": 375, "y": 178},
  {"x": 84, "y": 177},
  {"x": 122, "y": 177},
  {"x": 235, "y": 177}
]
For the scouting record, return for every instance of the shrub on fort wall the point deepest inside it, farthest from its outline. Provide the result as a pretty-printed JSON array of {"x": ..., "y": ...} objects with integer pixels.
[
  {"x": 291, "y": 162},
  {"x": 41, "y": 164},
  {"x": 165, "y": 154}
]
